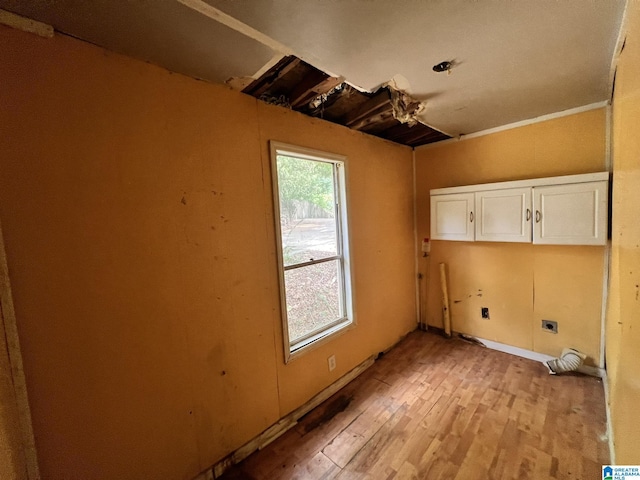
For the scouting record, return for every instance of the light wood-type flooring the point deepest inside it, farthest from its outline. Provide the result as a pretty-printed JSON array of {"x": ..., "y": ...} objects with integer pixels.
[{"x": 433, "y": 408}]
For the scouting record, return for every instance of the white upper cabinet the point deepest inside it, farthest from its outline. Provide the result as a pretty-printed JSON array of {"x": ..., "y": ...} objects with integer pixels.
[
  {"x": 571, "y": 214},
  {"x": 503, "y": 215},
  {"x": 569, "y": 210},
  {"x": 452, "y": 217}
]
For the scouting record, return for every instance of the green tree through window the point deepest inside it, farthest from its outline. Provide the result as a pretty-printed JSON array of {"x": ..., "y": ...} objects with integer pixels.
[{"x": 309, "y": 191}]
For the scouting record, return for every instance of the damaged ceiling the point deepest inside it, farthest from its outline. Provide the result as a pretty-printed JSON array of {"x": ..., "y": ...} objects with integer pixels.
[
  {"x": 386, "y": 113},
  {"x": 368, "y": 64}
]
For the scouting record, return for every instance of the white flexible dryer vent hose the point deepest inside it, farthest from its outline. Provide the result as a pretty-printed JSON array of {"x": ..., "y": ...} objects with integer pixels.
[{"x": 569, "y": 361}]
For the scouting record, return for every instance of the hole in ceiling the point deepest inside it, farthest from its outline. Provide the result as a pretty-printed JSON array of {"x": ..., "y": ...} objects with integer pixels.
[{"x": 387, "y": 113}]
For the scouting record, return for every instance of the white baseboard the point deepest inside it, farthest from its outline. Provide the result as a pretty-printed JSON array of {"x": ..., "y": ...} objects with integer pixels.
[
  {"x": 535, "y": 356},
  {"x": 520, "y": 352}
]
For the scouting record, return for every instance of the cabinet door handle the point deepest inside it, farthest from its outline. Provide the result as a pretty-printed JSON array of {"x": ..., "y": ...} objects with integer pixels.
[
  {"x": 471, "y": 217},
  {"x": 538, "y": 216},
  {"x": 528, "y": 214}
]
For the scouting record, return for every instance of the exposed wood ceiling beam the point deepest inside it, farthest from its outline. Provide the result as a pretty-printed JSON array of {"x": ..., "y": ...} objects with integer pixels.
[
  {"x": 379, "y": 103},
  {"x": 405, "y": 132},
  {"x": 313, "y": 84},
  {"x": 374, "y": 121},
  {"x": 262, "y": 84},
  {"x": 395, "y": 132},
  {"x": 428, "y": 137},
  {"x": 327, "y": 105},
  {"x": 407, "y": 135},
  {"x": 302, "y": 83}
]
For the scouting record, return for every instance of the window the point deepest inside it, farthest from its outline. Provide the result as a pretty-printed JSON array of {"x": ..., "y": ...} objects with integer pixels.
[{"x": 315, "y": 281}]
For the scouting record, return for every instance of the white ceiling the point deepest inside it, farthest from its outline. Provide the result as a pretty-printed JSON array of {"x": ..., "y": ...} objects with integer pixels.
[{"x": 514, "y": 59}]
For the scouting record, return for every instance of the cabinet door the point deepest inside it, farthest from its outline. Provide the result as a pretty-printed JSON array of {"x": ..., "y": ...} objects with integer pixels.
[
  {"x": 504, "y": 215},
  {"x": 574, "y": 214},
  {"x": 452, "y": 217}
]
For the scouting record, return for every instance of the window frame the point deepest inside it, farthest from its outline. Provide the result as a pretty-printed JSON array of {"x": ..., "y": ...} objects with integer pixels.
[{"x": 320, "y": 335}]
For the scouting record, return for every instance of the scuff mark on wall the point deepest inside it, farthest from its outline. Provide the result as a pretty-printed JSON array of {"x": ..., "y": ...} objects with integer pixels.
[{"x": 470, "y": 295}]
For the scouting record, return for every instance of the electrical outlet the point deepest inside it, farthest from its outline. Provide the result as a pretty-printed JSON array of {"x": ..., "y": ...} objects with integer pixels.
[
  {"x": 332, "y": 363},
  {"x": 550, "y": 326},
  {"x": 484, "y": 311}
]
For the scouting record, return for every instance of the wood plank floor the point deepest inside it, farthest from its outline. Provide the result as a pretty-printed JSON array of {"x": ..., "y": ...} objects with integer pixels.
[{"x": 434, "y": 409}]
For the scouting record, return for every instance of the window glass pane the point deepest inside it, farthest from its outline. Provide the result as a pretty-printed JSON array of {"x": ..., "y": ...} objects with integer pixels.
[
  {"x": 315, "y": 284},
  {"x": 307, "y": 209},
  {"x": 313, "y": 297}
]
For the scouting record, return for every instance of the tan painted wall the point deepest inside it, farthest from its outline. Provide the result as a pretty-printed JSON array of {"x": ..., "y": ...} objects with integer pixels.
[
  {"x": 380, "y": 200},
  {"x": 521, "y": 284},
  {"x": 137, "y": 215},
  {"x": 623, "y": 315}
]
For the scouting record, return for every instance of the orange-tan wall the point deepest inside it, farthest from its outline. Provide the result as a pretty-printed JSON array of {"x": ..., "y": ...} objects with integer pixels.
[
  {"x": 521, "y": 284},
  {"x": 623, "y": 314},
  {"x": 137, "y": 214}
]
